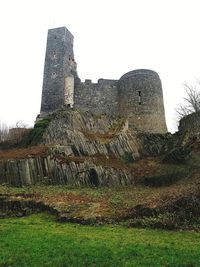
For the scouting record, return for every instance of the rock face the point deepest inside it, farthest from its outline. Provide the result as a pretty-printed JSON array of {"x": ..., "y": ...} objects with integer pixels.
[
  {"x": 190, "y": 124},
  {"x": 81, "y": 149},
  {"x": 27, "y": 171},
  {"x": 52, "y": 170},
  {"x": 85, "y": 134},
  {"x": 184, "y": 145}
]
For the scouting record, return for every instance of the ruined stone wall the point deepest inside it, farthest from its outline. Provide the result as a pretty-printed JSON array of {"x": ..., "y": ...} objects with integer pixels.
[
  {"x": 137, "y": 96},
  {"x": 98, "y": 98},
  {"x": 141, "y": 101}
]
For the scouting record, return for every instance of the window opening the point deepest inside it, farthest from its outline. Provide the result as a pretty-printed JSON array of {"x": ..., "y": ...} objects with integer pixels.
[
  {"x": 54, "y": 54},
  {"x": 139, "y": 98}
]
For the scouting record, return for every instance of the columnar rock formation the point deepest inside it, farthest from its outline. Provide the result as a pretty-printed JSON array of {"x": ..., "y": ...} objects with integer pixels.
[{"x": 80, "y": 148}]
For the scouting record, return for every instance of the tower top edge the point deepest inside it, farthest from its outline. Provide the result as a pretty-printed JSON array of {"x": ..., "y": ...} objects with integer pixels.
[
  {"x": 64, "y": 29},
  {"x": 140, "y": 72}
]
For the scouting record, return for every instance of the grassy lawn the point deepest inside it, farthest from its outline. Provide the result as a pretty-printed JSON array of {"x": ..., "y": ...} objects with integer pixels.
[{"x": 38, "y": 240}]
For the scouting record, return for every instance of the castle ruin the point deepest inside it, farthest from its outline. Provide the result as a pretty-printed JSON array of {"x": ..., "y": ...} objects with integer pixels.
[{"x": 137, "y": 96}]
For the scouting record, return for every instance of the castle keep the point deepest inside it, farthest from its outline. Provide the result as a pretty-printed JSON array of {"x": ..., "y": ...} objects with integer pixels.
[{"x": 136, "y": 96}]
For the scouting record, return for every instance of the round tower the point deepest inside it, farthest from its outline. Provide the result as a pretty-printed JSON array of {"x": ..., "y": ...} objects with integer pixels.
[{"x": 141, "y": 101}]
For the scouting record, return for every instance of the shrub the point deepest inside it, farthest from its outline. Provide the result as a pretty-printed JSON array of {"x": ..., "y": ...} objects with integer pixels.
[
  {"x": 127, "y": 157},
  {"x": 36, "y": 134},
  {"x": 177, "y": 155},
  {"x": 161, "y": 180}
]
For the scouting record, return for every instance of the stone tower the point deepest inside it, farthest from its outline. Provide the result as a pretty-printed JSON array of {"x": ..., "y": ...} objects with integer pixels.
[
  {"x": 59, "y": 71},
  {"x": 141, "y": 101}
]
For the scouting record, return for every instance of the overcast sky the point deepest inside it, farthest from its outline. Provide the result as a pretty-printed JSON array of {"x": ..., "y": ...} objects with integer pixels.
[{"x": 111, "y": 37}]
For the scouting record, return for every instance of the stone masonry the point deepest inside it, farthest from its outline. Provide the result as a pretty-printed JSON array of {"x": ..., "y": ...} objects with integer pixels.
[
  {"x": 136, "y": 96},
  {"x": 59, "y": 71}
]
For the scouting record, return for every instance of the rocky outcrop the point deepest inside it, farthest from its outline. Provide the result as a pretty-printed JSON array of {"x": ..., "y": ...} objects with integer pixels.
[
  {"x": 190, "y": 124},
  {"x": 183, "y": 147},
  {"x": 153, "y": 144},
  {"x": 56, "y": 170},
  {"x": 82, "y": 149},
  {"x": 86, "y": 134}
]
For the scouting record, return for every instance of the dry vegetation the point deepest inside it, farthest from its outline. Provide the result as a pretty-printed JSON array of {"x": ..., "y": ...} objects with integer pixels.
[
  {"x": 21, "y": 153},
  {"x": 171, "y": 206}
]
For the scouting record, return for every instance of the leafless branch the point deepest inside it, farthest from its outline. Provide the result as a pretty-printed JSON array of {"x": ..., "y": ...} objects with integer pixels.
[{"x": 191, "y": 100}]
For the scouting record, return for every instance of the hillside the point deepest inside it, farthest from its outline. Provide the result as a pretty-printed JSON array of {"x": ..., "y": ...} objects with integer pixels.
[{"x": 92, "y": 169}]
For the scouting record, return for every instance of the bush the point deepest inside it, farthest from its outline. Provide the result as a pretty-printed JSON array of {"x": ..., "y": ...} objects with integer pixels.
[
  {"x": 127, "y": 157},
  {"x": 177, "y": 155},
  {"x": 167, "y": 221},
  {"x": 161, "y": 180},
  {"x": 36, "y": 134}
]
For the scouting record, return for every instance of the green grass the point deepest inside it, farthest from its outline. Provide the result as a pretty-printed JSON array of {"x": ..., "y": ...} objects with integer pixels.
[{"x": 38, "y": 240}]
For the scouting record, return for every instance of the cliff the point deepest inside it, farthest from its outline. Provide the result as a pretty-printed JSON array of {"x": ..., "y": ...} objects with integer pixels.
[
  {"x": 82, "y": 149},
  {"x": 79, "y": 148}
]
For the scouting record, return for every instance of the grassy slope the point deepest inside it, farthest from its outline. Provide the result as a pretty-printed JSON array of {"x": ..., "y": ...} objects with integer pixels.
[{"x": 39, "y": 241}]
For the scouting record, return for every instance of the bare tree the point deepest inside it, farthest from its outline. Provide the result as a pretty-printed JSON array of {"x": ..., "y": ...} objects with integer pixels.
[
  {"x": 191, "y": 102},
  {"x": 20, "y": 124},
  {"x": 4, "y": 129}
]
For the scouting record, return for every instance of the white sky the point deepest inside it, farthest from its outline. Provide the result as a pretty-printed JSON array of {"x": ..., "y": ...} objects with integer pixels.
[{"x": 111, "y": 37}]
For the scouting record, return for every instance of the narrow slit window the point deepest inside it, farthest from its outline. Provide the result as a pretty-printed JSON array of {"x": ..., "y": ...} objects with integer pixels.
[
  {"x": 139, "y": 98},
  {"x": 54, "y": 54}
]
